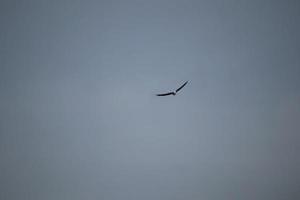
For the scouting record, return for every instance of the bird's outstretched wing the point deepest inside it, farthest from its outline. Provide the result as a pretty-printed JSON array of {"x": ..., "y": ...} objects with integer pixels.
[
  {"x": 165, "y": 94},
  {"x": 181, "y": 86}
]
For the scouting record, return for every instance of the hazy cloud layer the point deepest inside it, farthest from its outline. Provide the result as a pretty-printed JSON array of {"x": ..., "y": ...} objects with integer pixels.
[{"x": 79, "y": 118}]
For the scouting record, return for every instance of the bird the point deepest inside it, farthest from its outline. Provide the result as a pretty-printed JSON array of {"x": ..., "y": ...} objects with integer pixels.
[{"x": 173, "y": 93}]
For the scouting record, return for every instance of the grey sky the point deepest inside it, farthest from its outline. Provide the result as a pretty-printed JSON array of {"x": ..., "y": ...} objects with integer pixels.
[{"x": 79, "y": 118}]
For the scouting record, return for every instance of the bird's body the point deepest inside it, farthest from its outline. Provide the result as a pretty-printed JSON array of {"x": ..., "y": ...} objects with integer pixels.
[
  {"x": 167, "y": 94},
  {"x": 173, "y": 93}
]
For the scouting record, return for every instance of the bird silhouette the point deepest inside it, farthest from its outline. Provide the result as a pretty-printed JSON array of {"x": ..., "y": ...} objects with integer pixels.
[{"x": 173, "y": 93}]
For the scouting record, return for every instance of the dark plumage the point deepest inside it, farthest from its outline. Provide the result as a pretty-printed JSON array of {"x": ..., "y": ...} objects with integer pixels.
[
  {"x": 166, "y": 94},
  {"x": 173, "y": 93}
]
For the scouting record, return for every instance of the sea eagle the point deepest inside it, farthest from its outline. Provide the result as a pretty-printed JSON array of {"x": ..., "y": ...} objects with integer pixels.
[{"x": 173, "y": 93}]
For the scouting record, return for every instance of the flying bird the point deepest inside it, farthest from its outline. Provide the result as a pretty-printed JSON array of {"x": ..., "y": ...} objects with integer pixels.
[{"x": 173, "y": 93}]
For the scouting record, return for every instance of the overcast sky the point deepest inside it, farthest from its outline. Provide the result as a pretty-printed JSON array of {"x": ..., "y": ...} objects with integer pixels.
[{"x": 79, "y": 118}]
